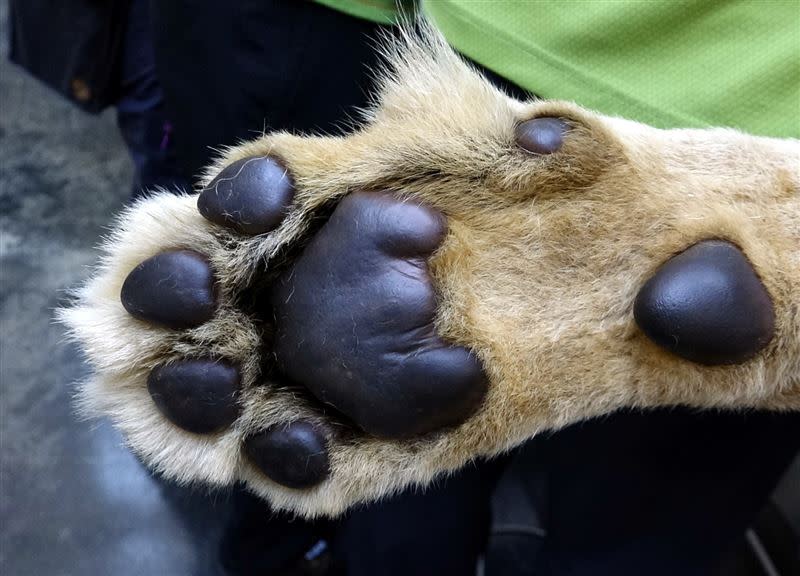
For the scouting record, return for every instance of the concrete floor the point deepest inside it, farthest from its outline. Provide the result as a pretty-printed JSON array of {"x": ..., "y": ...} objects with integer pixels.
[{"x": 74, "y": 500}]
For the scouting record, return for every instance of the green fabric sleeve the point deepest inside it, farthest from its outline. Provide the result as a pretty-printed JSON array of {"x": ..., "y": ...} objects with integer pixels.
[
  {"x": 679, "y": 63},
  {"x": 381, "y": 11}
]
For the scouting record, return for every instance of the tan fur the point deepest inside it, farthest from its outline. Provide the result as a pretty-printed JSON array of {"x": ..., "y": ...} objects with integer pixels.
[{"x": 538, "y": 274}]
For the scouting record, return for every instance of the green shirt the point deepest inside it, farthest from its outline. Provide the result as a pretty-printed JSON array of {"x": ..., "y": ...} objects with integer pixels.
[
  {"x": 671, "y": 63},
  {"x": 381, "y": 11}
]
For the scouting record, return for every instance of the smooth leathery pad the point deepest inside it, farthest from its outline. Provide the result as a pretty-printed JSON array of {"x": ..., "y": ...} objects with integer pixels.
[
  {"x": 250, "y": 195},
  {"x": 197, "y": 395},
  {"x": 707, "y": 305},
  {"x": 543, "y": 135},
  {"x": 294, "y": 455},
  {"x": 354, "y": 321},
  {"x": 173, "y": 289}
]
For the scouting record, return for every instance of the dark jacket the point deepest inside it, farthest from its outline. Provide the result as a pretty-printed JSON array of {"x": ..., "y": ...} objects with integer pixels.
[{"x": 73, "y": 46}]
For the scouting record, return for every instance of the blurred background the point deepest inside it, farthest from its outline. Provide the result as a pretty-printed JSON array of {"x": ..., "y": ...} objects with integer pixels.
[{"x": 74, "y": 500}]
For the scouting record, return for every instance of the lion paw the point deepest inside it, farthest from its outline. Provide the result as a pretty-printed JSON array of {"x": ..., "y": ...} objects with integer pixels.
[{"x": 334, "y": 319}]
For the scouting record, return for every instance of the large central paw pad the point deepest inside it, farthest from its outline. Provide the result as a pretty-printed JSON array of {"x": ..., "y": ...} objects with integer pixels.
[{"x": 355, "y": 321}]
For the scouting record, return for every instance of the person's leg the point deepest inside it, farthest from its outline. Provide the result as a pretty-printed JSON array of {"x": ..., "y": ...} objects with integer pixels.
[
  {"x": 141, "y": 116},
  {"x": 440, "y": 531},
  {"x": 257, "y": 541},
  {"x": 231, "y": 70},
  {"x": 662, "y": 492}
]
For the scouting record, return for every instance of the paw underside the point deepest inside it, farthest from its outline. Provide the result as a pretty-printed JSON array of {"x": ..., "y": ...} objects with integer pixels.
[{"x": 331, "y": 320}]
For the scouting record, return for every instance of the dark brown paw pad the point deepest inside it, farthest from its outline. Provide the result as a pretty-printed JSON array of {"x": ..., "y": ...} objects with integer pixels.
[
  {"x": 541, "y": 136},
  {"x": 197, "y": 395},
  {"x": 294, "y": 455},
  {"x": 355, "y": 321},
  {"x": 707, "y": 305},
  {"x": 173, "y": 289},
  {"x": 251, "y": 196}
]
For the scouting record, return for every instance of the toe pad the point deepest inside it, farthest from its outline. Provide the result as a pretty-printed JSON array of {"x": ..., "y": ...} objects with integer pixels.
[
  {"x": 294, "y": 455},
  {"x": 173, "y": 289},
  {"x": 196, "y": 395},
  {"x": 251, "y": 196}
]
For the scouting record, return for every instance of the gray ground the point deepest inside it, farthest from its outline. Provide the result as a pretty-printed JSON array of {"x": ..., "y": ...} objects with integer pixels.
[{"x": 74, "y": 500}]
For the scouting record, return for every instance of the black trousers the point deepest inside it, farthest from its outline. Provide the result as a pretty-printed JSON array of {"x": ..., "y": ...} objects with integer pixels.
[
  {"x": 139, "y": 101},
  {"x": 233, "y": 69},
  {"x": 661, "y": 492}
]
